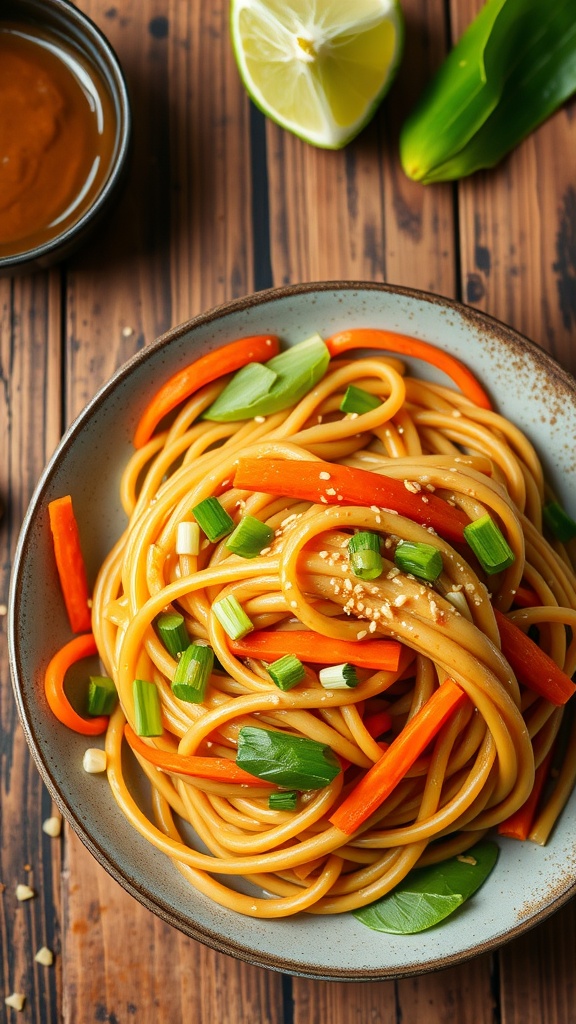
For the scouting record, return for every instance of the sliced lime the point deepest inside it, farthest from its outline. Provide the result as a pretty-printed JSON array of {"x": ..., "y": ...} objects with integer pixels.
[{"x": 317, "y": 67}]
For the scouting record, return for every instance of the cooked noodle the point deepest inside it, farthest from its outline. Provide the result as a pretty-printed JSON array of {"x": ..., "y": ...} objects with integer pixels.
[{"x": 481, "y": 766}]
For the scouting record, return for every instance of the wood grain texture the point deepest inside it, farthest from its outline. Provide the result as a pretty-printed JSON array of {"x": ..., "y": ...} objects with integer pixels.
[
  {"x": 30, "y": 312},
  {"x": 220, "y": 202}
]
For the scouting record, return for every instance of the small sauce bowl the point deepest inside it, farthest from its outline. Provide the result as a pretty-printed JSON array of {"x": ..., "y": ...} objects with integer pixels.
[{"x": 65, "y": 129}]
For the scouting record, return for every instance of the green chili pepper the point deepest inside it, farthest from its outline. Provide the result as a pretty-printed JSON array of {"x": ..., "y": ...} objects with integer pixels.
[{"x": 512, "y": 68}]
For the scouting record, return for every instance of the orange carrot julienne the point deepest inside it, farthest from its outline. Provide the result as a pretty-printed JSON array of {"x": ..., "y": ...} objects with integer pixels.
[
  {"x": 313, "y": 647},
  {"x": 366, "y": 337},
  {"x": 384, "y": 776},
  {"x": 525, "y": 597},
  {"x": 333, "y": 484},
  {"x": 378, "y": 723},
  {"x": 519, "y": 824},
  {"x": 532, "y": 667},
  {"x": 256, "y": 349},
  {"x": 217, "y": 769},
  {"x": 70, "y": 563},
  {"x": 80, "y": 647}
]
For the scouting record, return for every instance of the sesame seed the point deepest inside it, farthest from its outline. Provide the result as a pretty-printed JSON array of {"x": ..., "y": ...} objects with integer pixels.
[
  {"x": 259, "y": 419},
  {"x": 331, "y": 491},
  {"x": 324, "y": 475},
  {"x": 361, "y": 634},
  {"x": 400, "y": 600},
  {"x": 372, "y": 627}
]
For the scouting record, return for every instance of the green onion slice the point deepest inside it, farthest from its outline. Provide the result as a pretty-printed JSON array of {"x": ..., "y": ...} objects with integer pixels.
[
  {"x": 364, "y": 555},
  {"x": 232, "y": 617},
  {"x": 419, "y": 559},
  {"x": 287, "y": 671},
  {"x": 102, "y": 696},
  {"x": 338, "y": 677},
  {"x": 172, "y": 632},
  {"x": 249, "y": 537},
  {"x": 489, "y": 545},
  {"x": 560, "y": 524},
  {"x": 213, "y": 519},
  {"x": 187, "y": 538},
  {"x": 292, "y": 761},
  {"x": 283, "y": 801},
  {"x": 193, "y": 672},
  {"x": 147, "y": 710},
  {"x": 359, "y": 401},
  {"x": 261, "y": 389}
]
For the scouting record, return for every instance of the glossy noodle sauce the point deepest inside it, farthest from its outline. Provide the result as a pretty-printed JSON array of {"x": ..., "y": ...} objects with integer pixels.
[{"x": 57, "y": 136}]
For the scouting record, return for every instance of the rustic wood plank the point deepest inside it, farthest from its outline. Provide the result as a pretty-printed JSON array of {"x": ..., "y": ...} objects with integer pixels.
[
  {"x": 418, "y": 223},
  {"x": 353, "y": 214},
  {"x": 539, "y": 986},
  {"x": 29, "y": 393},
  {"x": 518, "y": 231}
]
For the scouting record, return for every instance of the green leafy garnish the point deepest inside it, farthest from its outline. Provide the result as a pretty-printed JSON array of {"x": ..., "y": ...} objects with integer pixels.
[
  {"x": 262, "y": 389},
  {"x": 511, "y": 69},
  {"x": 429, "y": 895}
]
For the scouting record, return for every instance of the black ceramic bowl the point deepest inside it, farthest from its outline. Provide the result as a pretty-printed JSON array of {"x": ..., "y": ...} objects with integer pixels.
[{"x": 74, "y": 36}]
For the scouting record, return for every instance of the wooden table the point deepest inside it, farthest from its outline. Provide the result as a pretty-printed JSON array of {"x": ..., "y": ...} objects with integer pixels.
[{"x": 220, "y": 203}]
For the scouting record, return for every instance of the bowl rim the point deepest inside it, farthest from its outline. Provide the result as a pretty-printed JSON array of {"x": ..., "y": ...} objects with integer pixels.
[
  {"x": 497, "y": 329},
  {"x": 120, "y": 95}
]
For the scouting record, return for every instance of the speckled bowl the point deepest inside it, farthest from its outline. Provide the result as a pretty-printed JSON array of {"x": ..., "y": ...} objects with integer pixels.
[{"x": 529, "y": 882}]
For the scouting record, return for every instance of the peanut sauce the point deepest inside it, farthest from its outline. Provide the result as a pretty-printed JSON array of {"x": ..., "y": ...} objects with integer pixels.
[{"x": 57, "y": 136}]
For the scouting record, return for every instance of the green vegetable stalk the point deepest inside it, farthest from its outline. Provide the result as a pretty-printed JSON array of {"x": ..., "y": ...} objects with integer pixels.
[{"x": 512, "y": 68}]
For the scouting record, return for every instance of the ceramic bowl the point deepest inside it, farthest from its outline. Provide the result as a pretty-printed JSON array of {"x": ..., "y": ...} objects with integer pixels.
[
  {"x": 529, "y": 882},
  {"x": 85, "y": 50}
]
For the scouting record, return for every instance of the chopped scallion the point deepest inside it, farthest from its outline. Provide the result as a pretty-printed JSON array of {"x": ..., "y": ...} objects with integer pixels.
[
  {"x": 292, "y": 761},
  {"x": 249, "y": 537},
  {"x": 359, "y": 401},
  {"x": 560, "y": 524},
  {"x": 193, "y": 672},
  {"x": 364, "y": 555},
  {"x": 147, "y": 710},
  {"x": 262, "y": 389},
  {"x": 232, "y": 617},
  {"x": 287, "y": 671},
  {"x": 172, "y": 632},
  {"x": 187, "y": 538},
  {"x": 338, "y": 677},
  {"x": 213, "y": 519},
  {"x": 283, "y": 801},
  {"x": 419, "y": 559},
  {"x": 102, "y": 696},
  {"x": 489, "y": 544}
]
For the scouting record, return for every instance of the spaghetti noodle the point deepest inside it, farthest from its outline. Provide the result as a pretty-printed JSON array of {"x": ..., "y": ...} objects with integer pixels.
[{"x": 456, "y": 460}]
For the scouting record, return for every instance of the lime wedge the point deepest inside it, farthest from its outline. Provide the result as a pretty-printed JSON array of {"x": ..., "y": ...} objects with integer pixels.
[{"x": 317, "y": 67}]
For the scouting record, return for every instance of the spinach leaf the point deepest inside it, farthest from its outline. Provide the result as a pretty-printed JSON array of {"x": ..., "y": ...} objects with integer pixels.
[{"x": 428, "y": 895}]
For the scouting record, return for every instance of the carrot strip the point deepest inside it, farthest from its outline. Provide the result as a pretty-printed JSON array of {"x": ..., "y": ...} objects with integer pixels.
[
  {"x": 217, "y": 769},
  {"x": 80, "y": 647},
  {"x": 70, "y": 563},
  {"x": 308, "y": 481},
  {"x": 320, "y": 650},
  {"x": 525, "y": 597},
  {"x": 533, "y": 668},
  {"x": 378, "y": 723},
  {"x": 256, "y": 349},
  {"x": 380, "y": 780},
  {"x": 364, "y": 337},
  {"x": 519, "y": 824}
]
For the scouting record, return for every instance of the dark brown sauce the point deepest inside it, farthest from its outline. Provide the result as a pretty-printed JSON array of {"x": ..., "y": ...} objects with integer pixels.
[{"x": 57, "y": 136}]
